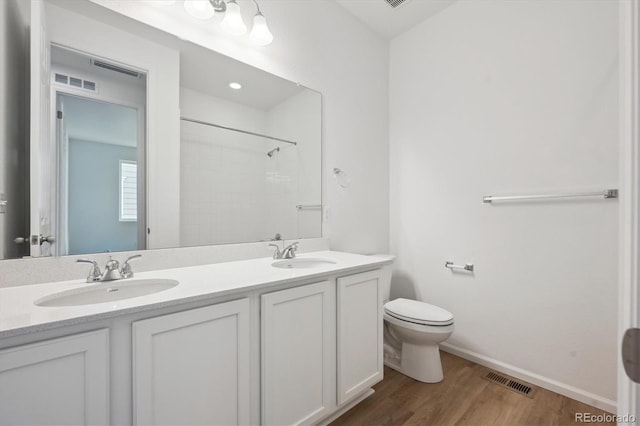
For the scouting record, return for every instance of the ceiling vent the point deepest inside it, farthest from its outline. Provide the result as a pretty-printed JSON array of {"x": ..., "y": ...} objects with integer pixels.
[
  {"x": 396, "y": 3},
  {"x": 76, "y": 82},
  {"x": 115, "y": 68}
]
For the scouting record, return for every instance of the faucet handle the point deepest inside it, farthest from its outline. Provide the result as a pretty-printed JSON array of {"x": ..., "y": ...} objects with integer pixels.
[
  {"x": 126, "y": 270},
  {"x": 277, "y": 254},
  {"x": 135, "y": 256},
  {"x": 94, "y": 274}
]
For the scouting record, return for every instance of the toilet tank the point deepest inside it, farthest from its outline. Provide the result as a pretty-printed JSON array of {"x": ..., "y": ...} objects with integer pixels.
[{"x": 385, "y": 279}]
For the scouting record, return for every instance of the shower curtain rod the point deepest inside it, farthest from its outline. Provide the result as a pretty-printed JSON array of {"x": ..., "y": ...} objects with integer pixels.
[{"x": 237, "y": 130}]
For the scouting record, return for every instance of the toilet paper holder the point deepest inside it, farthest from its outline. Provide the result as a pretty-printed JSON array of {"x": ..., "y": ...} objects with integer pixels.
[{"x": 467, "y": 267}]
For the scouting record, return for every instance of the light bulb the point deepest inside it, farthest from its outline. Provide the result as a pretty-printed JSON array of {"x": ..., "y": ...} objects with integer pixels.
[
  {"x": 200, "y": 9},
  {"x": 260, "y": 33},
  {"x": 232, "y": 23}
]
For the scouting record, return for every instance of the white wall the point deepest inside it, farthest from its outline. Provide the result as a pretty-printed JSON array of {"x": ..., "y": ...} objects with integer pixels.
[
  {"x": 320, "y": 45},
  {"x": 503, "y": 97}
]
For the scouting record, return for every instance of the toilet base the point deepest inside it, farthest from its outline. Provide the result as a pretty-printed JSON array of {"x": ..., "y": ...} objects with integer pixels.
[
  {"x": 422, "y": 362},
  {"x": 419, "y": 362},
  {"x": 413, "y": 349}
]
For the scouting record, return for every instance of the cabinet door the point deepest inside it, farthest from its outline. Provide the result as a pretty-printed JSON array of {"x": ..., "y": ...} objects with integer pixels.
[
  {"x": 61, "y": 381},
  {"x": 360, "y": 346},
  {"x": 192, "y": 367},
  {"x": 298, "y": 354}
]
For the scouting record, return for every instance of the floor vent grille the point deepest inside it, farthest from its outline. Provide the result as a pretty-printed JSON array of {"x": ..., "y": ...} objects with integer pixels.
[{"x": 509, "y": 383}]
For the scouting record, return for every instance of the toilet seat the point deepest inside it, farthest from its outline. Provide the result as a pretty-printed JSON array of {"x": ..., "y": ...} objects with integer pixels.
[{"x": 418, "y": 312}]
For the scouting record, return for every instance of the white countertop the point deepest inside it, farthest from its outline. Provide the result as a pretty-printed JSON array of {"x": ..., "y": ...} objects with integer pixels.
[{"x": 19, "y": 314}]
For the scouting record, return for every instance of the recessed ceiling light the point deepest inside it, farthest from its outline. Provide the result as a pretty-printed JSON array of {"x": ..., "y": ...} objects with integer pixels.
[{"x": 235, "y": 86}]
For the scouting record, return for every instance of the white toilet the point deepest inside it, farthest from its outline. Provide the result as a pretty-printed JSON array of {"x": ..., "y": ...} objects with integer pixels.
[{"x": 412, "y": 332}]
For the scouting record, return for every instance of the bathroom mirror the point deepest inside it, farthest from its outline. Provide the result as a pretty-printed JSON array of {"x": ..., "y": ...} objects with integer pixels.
[{"x": 118, "y": 136}]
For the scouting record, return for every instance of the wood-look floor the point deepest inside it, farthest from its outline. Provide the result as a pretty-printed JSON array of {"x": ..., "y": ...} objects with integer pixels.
[{"x": 462, "y": 398}]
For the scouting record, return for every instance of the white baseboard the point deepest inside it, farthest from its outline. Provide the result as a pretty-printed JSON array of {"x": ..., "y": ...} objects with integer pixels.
[{"x": 535, "y": 379}]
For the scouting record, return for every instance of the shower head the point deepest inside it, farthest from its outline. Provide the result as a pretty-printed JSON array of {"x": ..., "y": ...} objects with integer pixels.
[{"x": 273, "y": 151}]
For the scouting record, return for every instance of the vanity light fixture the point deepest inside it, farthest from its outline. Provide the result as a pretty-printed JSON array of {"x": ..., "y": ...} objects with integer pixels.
[
  {"x": 200, "y": 9},
  {"x": 235, "y": 86},
  {"x": 260, "y": 33},
  {"x": 232, "y": 22}
]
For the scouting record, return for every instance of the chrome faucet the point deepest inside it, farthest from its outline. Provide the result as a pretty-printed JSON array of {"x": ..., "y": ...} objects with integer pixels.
[
  {"x": 112, "y": 269},
  {"x": 289, "y": 252}
]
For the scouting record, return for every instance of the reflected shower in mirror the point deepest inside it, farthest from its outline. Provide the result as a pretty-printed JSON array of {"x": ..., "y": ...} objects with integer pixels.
[
  {"x": 250, "y": 152},
  {"x": 240, "y": 183}
]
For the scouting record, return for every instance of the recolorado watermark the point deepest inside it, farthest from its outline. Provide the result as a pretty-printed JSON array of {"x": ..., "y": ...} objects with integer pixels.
[{"x": 604, "y": 418}]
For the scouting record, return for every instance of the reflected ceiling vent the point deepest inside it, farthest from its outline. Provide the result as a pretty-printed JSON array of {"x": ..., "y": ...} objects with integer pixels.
[
  {"x": 115, "y": 68},
  {"x": 396, "y": 3},
  {"x": 76, "y": 82}
]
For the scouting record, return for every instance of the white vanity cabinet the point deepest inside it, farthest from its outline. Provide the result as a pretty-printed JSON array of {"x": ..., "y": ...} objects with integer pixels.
[
  {"x": 63, "y": 381},
  {"x": 300, "y": 348},
  {"x": 298, "y": 354},
  {"x": 193, "y": 367},
  {"x": 321, "y": 347},
  {"x": 360, "y": 322}
]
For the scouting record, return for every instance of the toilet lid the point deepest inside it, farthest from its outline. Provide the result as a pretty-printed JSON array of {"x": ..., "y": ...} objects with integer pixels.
[{"x": 418, "y": 312}]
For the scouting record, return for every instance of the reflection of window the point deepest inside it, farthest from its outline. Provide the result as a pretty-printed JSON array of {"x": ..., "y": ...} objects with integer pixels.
[{"x": 128, "y": 191}]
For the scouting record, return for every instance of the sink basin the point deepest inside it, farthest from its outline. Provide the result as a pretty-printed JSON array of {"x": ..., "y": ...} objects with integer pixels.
[
  {"x": 106, "y": 292},
  {"x": 302, "y": 263}
]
